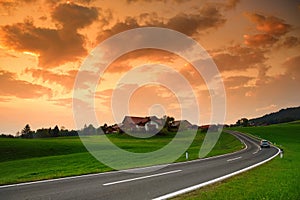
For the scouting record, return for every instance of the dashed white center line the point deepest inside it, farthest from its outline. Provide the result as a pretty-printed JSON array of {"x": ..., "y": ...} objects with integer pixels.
[
  {"x": 142, "y": 177},
  {"x": 234, "y": 159},
  {"x": 259, "y": 149}
]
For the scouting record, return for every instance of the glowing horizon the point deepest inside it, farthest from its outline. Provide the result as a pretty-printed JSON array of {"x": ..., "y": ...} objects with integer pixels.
[{"x": 254, "y": 44}]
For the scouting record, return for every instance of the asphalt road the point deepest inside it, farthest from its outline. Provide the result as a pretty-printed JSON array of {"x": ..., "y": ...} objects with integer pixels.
[{"x": 169, "y": 181}]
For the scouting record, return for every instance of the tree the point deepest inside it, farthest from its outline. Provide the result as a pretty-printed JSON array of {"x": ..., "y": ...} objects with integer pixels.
[
  {"x": 104, "y": 128},
  {"x": 243, "y": 122},
  {"x": 168, "y": 121},
  {"x": 55, "y": 131},
  {"x": 26, "y": 130}
]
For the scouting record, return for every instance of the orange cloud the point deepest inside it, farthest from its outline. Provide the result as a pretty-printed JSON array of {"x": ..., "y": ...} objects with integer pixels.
[
  {"x": 269, "y": 24},
  {"x": 291, "y": 42},
  {"x": 129, "y": 60},
  {"x": 272, "y": 29},
  {"x": 208, "y": 17},
  {"x": 277, "y": 90},
  {"x": 190, "y": 24},
  {"x": 238, "y": 58},
  {"x": 65, "y": 80},
  {"x": 260, "y": 40},
  {"x": 68, "y": 102},
  {"x": 53, "y": 46},
  {"x": 230, "y": 4},
  {"x": 10, "y": 86},
  {"x": 292, "y": 66},
  {"x": 149, "y": 1},
  {"x": 9, "y": 4},
  {"x": 236, "y": 82},
  {"x": 73, "y": 16}
]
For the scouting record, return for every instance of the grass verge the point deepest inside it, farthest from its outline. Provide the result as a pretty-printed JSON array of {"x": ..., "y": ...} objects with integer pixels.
[
  {"x": 277, "y": 179},
  {"x": 24, "y": 160}
]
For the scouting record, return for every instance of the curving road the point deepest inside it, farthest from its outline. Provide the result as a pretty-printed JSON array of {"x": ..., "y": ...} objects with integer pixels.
[{"x": 170, "y": 181}]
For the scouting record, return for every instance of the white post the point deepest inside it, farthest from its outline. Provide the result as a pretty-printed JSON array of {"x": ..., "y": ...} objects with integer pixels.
[
  {"x": 186, "y": 155},
  {"x": 281, "y": 153}
]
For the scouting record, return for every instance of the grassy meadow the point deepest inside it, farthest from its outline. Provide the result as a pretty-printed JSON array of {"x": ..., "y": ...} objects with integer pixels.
[
  {"x": 24, "y": 160},
  {"x": 277, "y": 179}
]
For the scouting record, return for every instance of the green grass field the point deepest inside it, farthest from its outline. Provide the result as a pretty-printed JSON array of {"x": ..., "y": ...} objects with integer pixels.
[
  {"x": 277, "y": 179},
  {"x": 36, "y": 159}
]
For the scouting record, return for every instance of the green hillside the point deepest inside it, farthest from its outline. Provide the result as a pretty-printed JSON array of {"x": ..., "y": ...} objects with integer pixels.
[
  {"x": 282, "y": 116},
  {"x": 35, "y": 159},
  {"x": 277, "y": 179}
]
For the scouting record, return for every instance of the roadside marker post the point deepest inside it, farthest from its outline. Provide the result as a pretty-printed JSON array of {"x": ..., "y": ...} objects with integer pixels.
[{"x": 281, "y": 153}]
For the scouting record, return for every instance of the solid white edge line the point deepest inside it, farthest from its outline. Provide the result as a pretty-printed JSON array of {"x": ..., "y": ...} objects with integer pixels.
[
  {"x": 142, "y": 177},
  {"x": 111, "y": 172},
  {"x": 189, "y": 189},
  {"x": 232, "y": 159}
]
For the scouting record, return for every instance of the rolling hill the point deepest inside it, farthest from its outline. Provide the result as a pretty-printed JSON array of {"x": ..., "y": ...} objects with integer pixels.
[{"x": 282, "y": 116}]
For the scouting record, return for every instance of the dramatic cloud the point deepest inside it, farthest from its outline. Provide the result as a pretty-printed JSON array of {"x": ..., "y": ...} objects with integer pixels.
[
  {"x": 236, "y": 82},
  {"x": 238, "y": 58},
  {"x": 190, "y": 24},
  {"x": 10, "y": 86},
  {"x": 139, "y": 57},
  {"x": 65, "y": 80},
  {"x": 291, "y": 42},
  {"x": 165, "y": 1},
  {"x": 230, "y": 4},
  {"x": 292, "y": 66},
  {"x": 208, "y": 17},
  {"x": 127, "y": 24},
  {"x": 272, "y": 29},
  {"x": 73, "y": 16},
  {"x": 68, "y": 102},
  {"x": 54, "y": 2},
  {"x": 280, "y": 89},
  {"x": 9, "y": 4},
  {"x": 269, "y": 24},
  {"x": 104, "y": 94},
  {"x": 64, "y": 102},
  {"x": 260, "y": 40},
  {"x": 53, "y": 46}
]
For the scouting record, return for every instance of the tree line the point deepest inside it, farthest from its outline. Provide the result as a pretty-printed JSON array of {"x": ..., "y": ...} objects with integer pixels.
[
  {"x": 282, "y": 116},
  {"x": 28, "y": 133},
  {"x": 45, "y": 132}
]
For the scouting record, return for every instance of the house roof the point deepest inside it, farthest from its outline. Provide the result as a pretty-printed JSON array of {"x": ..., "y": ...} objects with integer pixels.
[
  {"x": 141, "y": 121},
  {"x": 205, "y": 126},
  {"x": 158, "y": 121},
  {"x": 182, "y": 122}
]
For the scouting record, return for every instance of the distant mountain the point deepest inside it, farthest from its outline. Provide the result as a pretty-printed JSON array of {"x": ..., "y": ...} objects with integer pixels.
[{"x": 282, "y": 116}]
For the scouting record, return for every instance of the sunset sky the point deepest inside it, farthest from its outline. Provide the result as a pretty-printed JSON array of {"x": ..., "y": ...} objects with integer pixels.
[{"x": 254, "y": 43}]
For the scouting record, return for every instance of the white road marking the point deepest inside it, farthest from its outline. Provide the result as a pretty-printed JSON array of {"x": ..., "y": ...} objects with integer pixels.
[
  {"x": 112, "y": 172},
  {"x": 189, "y": 189},
  {"x": 142, "y": 177},
  {"x": 234, "y": 158},
  {"x": 257, "y": 151}
]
